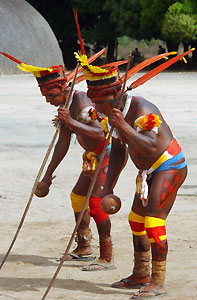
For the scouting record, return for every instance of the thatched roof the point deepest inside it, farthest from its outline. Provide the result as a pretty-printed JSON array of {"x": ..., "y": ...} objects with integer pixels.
[{"x": 26, "y": 35}]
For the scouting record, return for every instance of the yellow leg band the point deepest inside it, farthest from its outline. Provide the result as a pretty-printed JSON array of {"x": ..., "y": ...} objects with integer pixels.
[
  {"x": 151, "y": 222},
  {"x": 77, "y": 202},
  {"x": 155, "y": 228},
  {"x": 135, "y": 217}
]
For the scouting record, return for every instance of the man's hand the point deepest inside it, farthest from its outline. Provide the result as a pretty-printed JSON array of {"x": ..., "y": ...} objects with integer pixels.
[
  {"x": 87, "y": 165},
  {"x": 116, "y": 118},
  {"x": 64, "y": 116},
  {"x": 42, "y": 189}
]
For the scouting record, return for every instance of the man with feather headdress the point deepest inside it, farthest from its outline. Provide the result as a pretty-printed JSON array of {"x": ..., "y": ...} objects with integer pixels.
[{"x": 139, "y": 126}]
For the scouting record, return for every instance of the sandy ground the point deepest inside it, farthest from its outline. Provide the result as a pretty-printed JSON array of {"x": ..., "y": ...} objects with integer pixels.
[{"x": 25, "y": 134}]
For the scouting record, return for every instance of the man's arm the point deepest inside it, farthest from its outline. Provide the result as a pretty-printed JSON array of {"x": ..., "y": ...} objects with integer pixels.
[
  {"x": 59, "y": 153},
  {"x": 145, "y": 141},
  {"x": 92, "y": 130}
]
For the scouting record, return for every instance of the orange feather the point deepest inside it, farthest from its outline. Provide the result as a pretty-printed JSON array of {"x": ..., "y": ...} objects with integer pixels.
[
  {"x": 11, "y": 57},
  {"x": 144, "y": 64},
  {"x": 79, "y": 79},
  {"x": 79, "y": 32},
  {"x": 157, "y": 70},
  {"x": 115, "y": 64}
]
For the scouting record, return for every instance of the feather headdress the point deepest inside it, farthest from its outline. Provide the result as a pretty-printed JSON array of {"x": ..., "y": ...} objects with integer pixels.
[
  {"x": 50, "y": 74},
  {"x": 101, "y": 81},
  {"x": 42, "y": 75},
  {"x": 96, "y": 77}
]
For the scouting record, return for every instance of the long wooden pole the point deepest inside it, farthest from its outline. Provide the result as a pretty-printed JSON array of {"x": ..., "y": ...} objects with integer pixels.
[
  {"x": 88, "y": 193},
  {"x": 39, "y": 174}
]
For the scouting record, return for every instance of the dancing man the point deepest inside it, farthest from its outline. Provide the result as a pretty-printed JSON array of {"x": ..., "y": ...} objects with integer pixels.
[{"x": 139, "y": 125}]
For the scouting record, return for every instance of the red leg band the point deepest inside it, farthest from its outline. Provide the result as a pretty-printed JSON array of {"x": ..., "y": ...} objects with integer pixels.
[{"x": 95, "y": 210}]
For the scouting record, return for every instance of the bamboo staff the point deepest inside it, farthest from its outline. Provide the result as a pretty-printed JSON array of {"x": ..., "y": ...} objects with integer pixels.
[
  {"x": 88, "y": 193},
  {"x": 40, "y": 172}
]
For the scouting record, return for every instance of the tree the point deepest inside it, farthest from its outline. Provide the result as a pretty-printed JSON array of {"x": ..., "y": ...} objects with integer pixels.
[
  {"x": 98, "y": 28},
  {"x": 151, "y": 17},
  {"x": 60, "y": 17},
  {"x": 103, "y": 22},
  {"x": 179, "y": 25},
  {"x": 110, "y": 19},
  {"x": 125, "y": 15}
]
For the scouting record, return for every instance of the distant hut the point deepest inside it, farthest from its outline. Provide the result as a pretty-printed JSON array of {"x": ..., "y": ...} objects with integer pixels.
[{"x": 26, "y": 35}]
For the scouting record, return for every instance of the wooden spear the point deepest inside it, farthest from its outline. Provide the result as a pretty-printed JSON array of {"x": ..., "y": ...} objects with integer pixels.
[
  {"x": 40, "y": 172},
  {"x": 89, "y": 191}
]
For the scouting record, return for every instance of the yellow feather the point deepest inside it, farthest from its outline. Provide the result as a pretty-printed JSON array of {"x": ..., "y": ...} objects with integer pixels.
[
  {"x": 184, "y": 59},
  {"x": 32, "y": 69},
  {"x": 83, "y": 60}
]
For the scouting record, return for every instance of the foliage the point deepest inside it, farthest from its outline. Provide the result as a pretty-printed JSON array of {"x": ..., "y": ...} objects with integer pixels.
[
  {"x": 104, "y": 22},
  {"x": 125, "y": 15},
  {"x": 180, "y": 24},
  {"x": 151, "y": 17},
  {"x": 59, "y": 15}
]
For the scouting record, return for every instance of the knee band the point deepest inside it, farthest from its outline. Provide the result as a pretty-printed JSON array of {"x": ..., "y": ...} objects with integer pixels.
[
  {"x": 95, "y": 210},
  {"x": 77, "y": 202},
  {"x": 155, "y": 228},
  {"x": 136, "y": 223}
]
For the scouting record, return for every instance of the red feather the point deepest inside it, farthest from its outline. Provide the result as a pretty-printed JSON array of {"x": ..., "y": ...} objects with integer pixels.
[
  {"x": 157, "y": 70},
  {"x": 144, "y": 64},
  {"x": 79, "y": 79},
  {"x": 79, "y": 32},
  {"x": 115, "y": 64},
  {"x": 11, "y": 57}
]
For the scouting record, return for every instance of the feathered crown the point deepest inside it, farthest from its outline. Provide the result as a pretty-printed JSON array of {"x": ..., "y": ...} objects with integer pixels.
[
  {"x": 97, "y": 76},
  {"x": 43, "y": 75}
]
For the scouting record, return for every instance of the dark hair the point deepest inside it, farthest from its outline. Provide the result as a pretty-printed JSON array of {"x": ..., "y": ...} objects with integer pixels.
[{"x": 103, "y": 92}]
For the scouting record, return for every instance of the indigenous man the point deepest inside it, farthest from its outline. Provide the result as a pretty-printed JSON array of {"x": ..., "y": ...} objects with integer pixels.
[
  {"x": 80, "y": 117},
  {"x": 139, "y": 125}
]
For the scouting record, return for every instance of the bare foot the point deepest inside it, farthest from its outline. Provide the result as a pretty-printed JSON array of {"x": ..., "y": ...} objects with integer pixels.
[
  {"x": 150, "y": 291},
  {"x": 99, "y": 265},
  {"x": 82, "y": 251}
]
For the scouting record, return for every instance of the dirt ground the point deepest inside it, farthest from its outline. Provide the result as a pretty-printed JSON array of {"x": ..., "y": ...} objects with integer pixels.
[{"x": 26, "y": 131}]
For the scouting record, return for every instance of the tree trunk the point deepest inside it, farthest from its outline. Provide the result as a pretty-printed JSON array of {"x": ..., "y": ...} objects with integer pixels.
[
  {"x": 68, "y": 48},
  {"x": 110, "y": 50}
]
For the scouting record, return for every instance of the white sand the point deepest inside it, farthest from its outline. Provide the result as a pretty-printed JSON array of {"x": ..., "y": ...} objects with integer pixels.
[{"x": 25, "y": 134}]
